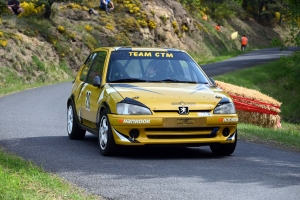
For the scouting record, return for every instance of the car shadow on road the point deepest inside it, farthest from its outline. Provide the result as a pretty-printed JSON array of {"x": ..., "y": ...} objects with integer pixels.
[
  {"x": 89, "y": 147},
  {"x": 61, "y": 155}
]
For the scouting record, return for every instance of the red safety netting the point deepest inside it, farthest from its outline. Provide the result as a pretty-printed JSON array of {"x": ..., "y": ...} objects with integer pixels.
[{"x": 246, "y": 104}]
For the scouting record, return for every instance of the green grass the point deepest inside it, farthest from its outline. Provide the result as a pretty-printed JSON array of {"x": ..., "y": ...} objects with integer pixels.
[
  {"x": 286, "y": 137},
  {"x": 11, "y": 81},
  {"x": 231, "y": 54},
  {"x": 21, "y": 179},
  {"x": 19, "y": 86}
]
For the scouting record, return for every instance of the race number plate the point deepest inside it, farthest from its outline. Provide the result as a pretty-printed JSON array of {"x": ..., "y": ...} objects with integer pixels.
[{"x": 184, "y": 122}]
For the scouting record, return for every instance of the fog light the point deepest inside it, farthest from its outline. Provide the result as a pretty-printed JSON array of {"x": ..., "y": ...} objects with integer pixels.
[
  {"x": 225, "y": 132},
  {"x": 134, "y": 133}
]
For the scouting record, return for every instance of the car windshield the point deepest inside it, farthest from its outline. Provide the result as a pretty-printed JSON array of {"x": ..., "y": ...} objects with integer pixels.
[{"x": 150, "y": 66}]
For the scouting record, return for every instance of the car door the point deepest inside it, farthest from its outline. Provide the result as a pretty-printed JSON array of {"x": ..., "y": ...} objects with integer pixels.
[
  {"x": 79, "y": 85},
  {"x": 90, "y": 94}
]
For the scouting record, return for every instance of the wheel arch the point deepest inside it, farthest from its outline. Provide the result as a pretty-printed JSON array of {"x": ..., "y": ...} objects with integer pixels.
[
  {"x": 102, "y": 107},
  {"x": 71, "y": 101}
]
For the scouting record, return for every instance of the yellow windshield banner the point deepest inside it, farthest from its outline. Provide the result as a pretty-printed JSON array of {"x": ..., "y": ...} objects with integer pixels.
[{"x": 150, "y": 54}]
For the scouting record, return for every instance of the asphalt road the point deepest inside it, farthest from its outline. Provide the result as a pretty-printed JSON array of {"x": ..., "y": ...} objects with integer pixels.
[
  {"x": 246, "y": 60},
  {"x": 33, "y": 125}
]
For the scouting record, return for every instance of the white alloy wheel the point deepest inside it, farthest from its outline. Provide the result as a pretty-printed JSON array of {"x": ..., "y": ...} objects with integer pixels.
[
  {"x": 103, "y": 131},
  {"x": 75, "y": 132},
  {"x": 106, "y": 140},
  {"x": 70, "y": 120}
]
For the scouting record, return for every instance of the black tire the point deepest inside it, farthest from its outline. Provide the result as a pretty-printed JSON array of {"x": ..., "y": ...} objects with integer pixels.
[
  {"x": 224, "y": 149},
  {"x": 75, "y": 132},
  {"x": 106, "y": 140}
]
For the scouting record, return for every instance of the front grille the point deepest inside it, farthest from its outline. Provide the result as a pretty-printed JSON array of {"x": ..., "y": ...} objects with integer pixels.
[
  {"x": 178, "y": 136},
  {"x": 180, "y": 133},
  {"x": 183, "y": 130}
]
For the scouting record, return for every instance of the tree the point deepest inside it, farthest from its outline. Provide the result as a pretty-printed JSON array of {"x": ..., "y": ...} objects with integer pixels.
[{"x": 294, "y": 11}]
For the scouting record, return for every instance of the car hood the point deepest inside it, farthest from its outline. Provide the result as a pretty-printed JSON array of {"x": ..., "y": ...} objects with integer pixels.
[{"x": 168, "y": 96}]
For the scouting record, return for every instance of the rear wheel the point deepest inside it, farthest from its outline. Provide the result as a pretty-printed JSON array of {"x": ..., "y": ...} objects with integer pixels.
[
  {"x": 105, "y": 137},
  {"x": 224, "y": 149},
  {"x": 75, "y": 132}
]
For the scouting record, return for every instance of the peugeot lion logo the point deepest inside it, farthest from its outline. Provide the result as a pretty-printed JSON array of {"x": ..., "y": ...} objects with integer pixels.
[{"x": 183, "y": 110}]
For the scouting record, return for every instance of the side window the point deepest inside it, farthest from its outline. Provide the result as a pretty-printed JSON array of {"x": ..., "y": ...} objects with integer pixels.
[
  {"x": 97, "y": 65},
  {"x": 87, "y": 66}
]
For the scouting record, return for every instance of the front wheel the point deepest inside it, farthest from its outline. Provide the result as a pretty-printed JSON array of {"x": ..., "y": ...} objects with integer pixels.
[
  {"x": 224, "y": 149},
  {"x": 105, "y": 137},
  {"x": 75, "y": 132}
]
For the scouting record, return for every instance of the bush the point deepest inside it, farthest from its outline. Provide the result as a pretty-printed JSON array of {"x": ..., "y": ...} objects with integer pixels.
[
  {"x": 225, "y": 10},
  {"x": 31, "y": 9},
  {"x": 3, "y": 7},
  {"x": 48, "y": 4}
]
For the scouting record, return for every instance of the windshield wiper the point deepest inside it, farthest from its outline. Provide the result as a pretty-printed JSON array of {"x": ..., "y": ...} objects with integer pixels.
[
  {"x": 154, "y": 81},
  {"x": 170, "y": 80},
  {"x": 128, "y": 80}
]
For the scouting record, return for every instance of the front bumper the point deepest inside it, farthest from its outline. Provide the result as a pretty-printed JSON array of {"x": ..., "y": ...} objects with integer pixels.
[{"x": 173, "y": 130}]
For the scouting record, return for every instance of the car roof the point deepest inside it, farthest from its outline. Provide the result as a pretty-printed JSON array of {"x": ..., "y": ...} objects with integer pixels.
[{"x": 167, "y": 49}]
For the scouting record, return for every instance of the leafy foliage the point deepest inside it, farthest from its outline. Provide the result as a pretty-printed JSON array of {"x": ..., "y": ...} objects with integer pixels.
[
  {"x": 31, "y": 9},
  {"x": 3, "y": 6},
  {"x": 48, "y": 4},
  {"x": 37, "y": 4},
  {"x": 192, "y": 5},
  {"x": 226, "y": 9}
]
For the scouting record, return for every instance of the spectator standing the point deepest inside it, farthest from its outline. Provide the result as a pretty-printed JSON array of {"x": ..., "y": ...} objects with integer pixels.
[
  {"x": 106, "y": 5},
  {"x": 244, "y": 42},
  {"x": 14, "y": 7}
]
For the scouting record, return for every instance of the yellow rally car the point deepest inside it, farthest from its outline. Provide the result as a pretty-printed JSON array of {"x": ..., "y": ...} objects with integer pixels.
[{"x": 149, "y": 96}]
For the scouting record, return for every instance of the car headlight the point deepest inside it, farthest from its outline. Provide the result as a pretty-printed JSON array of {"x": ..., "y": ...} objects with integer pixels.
[
  {"x": 130, "y": 109},
  {"x": 227, "y": 108}
]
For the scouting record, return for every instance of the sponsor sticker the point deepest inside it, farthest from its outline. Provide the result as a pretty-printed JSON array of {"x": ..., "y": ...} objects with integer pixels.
[
  {"x": 203, "y": 114},
  {"x": 228, "y": 119},
  {"x": 135, "y": 121}
]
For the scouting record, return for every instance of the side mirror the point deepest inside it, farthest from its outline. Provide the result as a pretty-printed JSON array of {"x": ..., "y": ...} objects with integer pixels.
[
  {"x": 97, "y": 81},
  {"x": 213, "y": 81}
]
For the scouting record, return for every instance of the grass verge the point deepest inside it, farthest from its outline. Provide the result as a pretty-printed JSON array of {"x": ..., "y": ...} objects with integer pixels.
[
  {"x": 287, "y": 137},
  {"x": 20, "y": 87},
  {"x": 21, "y": 179},
  {"x": 229, "y": 55}
]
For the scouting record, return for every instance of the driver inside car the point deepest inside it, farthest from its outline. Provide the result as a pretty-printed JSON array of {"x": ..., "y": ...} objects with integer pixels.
[
  {"x": 162, "y": 69},
  {"x": 150, "y": 71}
]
